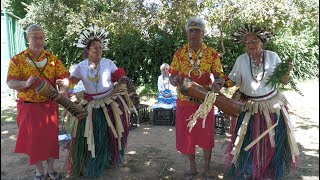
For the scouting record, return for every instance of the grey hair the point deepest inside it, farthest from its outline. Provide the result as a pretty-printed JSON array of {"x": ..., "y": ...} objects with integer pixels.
[
  {"x": 195, "y": 21},
  {"x": 164, "y": 65},
  {"x": 34, "y": 27}
]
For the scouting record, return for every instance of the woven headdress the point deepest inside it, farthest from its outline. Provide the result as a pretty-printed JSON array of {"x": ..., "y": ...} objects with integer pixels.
[
  {"x": 262, "y": 33},
  {"x": 93, "y": 32}
]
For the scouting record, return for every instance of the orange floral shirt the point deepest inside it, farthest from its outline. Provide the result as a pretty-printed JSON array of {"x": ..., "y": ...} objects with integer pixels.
[
  {"x": 209, "y": 64},
  {"x": 20, "y": 69}
]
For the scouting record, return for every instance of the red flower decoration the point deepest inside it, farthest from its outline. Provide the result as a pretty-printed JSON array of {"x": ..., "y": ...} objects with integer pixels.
[{"x": 117, "y": 74}]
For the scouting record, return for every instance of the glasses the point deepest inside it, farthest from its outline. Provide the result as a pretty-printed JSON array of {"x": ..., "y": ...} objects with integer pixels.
[
  {"x": 194, "y": 30},
  {"x": 253, "y": 42},
  {"x": 34, "y": 38},
  {"x": 96, "y": 48}
]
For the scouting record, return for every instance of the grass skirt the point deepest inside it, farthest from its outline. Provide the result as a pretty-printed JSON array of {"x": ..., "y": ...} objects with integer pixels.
[
  {"x": 99, "y": 141},
  {"x": 263, "y": 145}
]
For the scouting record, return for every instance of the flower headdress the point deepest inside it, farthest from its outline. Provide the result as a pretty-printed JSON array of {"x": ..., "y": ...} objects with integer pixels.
[
  {"x": 262, "y": 33},
  {"x": 93, "y": 32}
]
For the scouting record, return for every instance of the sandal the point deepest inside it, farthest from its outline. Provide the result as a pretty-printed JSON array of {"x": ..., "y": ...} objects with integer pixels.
[
  {"x": 189, "y": 175},
  {"x": 53, "y": 176},
  {"x": 208, "y": 176},
  {"x": 39, "y": 177}
]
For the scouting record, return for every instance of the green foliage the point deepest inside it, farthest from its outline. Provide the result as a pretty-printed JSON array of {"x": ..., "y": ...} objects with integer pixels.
[
  {"x": 143, "y": 36},
  {"x": 281, "y": 70},
  {"x": 18, "y": 7}
]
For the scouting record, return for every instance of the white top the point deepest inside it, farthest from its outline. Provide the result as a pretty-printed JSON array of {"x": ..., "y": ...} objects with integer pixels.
[
  {"x": 241, "y": 74},
  {"x": 104, "y": 84},
  {"x": 164, "y": 83}
]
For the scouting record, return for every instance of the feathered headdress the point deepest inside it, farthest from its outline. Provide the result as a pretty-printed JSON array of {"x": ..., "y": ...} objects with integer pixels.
[
  {"x": 262, "y": 33},
  {"x": 93, "y": 32}
]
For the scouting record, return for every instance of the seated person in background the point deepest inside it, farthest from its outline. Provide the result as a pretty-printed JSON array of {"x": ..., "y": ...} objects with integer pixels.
[{"x": 166, "y": 92}]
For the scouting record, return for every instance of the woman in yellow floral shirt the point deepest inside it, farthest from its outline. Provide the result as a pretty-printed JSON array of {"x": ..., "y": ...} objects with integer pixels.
[
  {"x": 200, "y": 63},
  {"x": 37, "y": 116}
]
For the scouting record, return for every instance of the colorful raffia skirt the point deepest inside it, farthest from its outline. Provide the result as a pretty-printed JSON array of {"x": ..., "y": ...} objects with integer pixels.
[
  {"x": 263, "y": 144},
  {"x": 99, "y": 142}
]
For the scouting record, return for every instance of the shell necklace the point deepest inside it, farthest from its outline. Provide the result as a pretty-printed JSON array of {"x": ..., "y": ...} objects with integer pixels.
[
  {"x": 193, "y": 67},
  {"x": 91, "y": 71},
  {"x": 255, "y": 69}
]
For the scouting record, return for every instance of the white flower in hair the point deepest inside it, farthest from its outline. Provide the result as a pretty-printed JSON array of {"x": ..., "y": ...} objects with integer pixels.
[{"x": 92, "y": 32}]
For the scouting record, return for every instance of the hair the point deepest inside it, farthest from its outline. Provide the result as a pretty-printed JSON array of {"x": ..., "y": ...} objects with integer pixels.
[
  {"x": 195, "y": 21},
  {"x": 91, "y": 40},
  {"x": 164, "y": 65},
  {"x": 85, "y": 53},
  {"x": 32, "y": 28}
]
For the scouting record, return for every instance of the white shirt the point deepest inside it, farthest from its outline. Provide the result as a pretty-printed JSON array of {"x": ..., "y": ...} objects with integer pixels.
[
  {"x": 106, "y": 67},
  {"x": 164, "y": 83},
  {"x": 241, "y": 74}
]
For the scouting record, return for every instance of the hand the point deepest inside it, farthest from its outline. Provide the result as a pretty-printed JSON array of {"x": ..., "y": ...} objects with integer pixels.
[
  {"x": 175, "y": 80},
  {"x": 217, "y": 84},
  {"x": 167, "y": 95},
  {"x": 286, "y": 78},
  {"x": 61, "y": 82},
  {"x": 30, "y": 81}
]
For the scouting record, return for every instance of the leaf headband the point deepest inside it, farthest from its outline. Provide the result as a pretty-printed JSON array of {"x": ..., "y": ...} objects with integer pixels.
[
  {"x": 93, "y": 32},
  {"x": 262, "y": 33}
]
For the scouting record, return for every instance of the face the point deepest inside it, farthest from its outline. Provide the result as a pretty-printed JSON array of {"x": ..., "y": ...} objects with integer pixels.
[
  {"x": 253, "y": 44},
  {"x": 165, "y": 71},
  {"x": 95, "y": 50},
  {"x": 36, "y": 41},
  {"x": 195, "y": 36}
]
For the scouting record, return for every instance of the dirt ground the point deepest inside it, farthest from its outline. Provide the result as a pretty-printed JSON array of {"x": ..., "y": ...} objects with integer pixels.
[{"x": 151, "y": 152}]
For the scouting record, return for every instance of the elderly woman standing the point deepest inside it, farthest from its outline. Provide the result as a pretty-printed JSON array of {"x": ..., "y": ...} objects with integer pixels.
[
  {"x": 99, "y": 141},
  {"x": 198, "y": 62},
  {"x": 37, "y": 116},
  {"x": 263, "y": 144}
]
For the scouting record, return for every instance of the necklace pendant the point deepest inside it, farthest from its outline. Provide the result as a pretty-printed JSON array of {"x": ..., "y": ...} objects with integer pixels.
[{"x": 197, "y": 72}]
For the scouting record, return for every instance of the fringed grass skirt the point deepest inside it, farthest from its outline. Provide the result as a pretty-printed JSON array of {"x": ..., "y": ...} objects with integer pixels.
[
  {"x": 263, "y": 143},
  {"x": 100, "y": 141}
]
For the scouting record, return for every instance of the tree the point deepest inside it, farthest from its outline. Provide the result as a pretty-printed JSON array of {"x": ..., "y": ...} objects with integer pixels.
[{"x": 142, "y": 36}]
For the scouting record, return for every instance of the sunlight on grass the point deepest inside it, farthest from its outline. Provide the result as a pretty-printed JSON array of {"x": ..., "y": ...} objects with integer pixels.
[
  {"x": 147, "y": 163},
  {"x": 9, "y": 119},
  {"x": 13, "y": 137},
  {"x": 4, "y": 132},
  {"x": 132, "y": 152}
]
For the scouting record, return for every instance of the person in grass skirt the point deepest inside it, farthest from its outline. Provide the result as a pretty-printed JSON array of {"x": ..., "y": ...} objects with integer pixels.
[
  {"x": 263, "y": 144},
  {"x": 100, "y": 140}
]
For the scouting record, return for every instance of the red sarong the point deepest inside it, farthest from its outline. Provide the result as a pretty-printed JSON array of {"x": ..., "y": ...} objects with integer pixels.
[
  {"x": 203, "y": 137},
  {"x": 38, "y": 130}
]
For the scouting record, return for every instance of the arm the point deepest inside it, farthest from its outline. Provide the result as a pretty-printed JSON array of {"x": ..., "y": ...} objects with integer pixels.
[
  {"x": 67, "y": 83},
  {"x": 19, "y": 85},
  {"x": 217, "y": 71}
]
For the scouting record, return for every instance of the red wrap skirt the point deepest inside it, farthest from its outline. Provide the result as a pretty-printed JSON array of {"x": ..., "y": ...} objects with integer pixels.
[
  {"x": 202, "y": 137},
  {"x": 38, "y": 130}
]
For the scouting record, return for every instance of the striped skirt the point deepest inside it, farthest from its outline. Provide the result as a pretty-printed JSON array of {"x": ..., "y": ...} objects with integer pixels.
[{"x": 263, "y": 144}]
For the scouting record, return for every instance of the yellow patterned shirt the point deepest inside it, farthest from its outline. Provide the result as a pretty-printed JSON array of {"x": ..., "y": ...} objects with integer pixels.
[
  {"x": 21, "y": 68},
  {"x": 209, "y": 64}
]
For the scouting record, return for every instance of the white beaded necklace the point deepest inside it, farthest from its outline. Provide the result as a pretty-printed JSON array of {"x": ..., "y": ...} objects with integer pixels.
[{"x": 195, "y": 68}]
